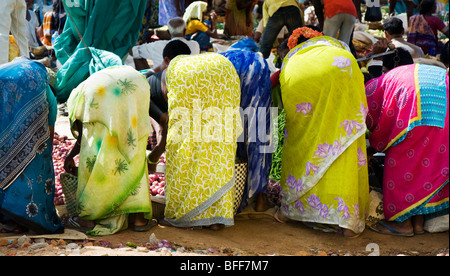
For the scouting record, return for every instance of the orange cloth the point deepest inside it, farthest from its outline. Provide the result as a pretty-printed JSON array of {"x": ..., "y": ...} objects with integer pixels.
[{"x": 47, "y": 28}]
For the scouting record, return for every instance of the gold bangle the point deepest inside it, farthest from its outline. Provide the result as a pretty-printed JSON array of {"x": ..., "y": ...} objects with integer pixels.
[{"x": 150, "y": 162}]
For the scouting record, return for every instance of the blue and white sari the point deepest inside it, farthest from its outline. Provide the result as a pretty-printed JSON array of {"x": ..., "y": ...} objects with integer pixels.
[
  {"x": 27, "y": 180},
  {"x": 256, "y": 142}
]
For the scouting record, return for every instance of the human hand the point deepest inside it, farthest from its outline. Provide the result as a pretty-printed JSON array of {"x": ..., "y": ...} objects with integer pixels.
[
  {"x": 70, "y": 167},
  {"x": 213, "y": 16},
  {"x": 380, "y": 46}
]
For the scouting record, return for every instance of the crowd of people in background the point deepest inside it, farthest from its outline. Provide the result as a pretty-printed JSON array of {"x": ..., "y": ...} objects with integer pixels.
[{"x": 189, "y": 80}]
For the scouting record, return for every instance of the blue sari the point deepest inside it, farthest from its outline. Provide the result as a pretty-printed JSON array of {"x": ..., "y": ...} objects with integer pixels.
[
  {"x": 27, "y": 179},
  {"x": 255, "y": 144}
]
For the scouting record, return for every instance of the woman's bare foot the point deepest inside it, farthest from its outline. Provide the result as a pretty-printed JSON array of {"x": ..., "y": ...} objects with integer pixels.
[
  {"x": 262, "y": 204},
  {"x": 81, "y": 224},
  {"x": 418, "y": 223},
  {"x": 349, "y": 233},
  {"x": 394, "y": 228},
  {"x": 139, "y": 219},
  {"x": 216, "y": 227},
  {"x": 164, "y": 222},
  {"x": 280, "y": 217}
]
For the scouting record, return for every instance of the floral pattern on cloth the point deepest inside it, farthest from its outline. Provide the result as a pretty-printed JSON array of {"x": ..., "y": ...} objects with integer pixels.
[
  {"x": 27, "y": 180},
  {"x": 201, "y": 142},
  {"x": 324, "y": 168},
  {"x": 408, "y": 120},
  {"x": 112, "y": 175}
]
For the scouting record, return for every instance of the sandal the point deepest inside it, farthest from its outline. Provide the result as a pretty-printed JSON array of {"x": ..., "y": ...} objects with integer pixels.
[
  {"x": 392, "y": 231},
  {"x": 15, "y": 228},
  {"x": 143, "y": 228},
  {"x": 74, "y": 224}
]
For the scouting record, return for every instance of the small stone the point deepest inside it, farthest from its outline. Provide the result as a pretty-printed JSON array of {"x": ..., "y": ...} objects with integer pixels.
[
  {"x": 22, "y": 240},
  {"x": 302, "y": 253},
  {"x": 39, "y": 240},
  {"x": 72, "y": 246},
  {"x": 322, "y": 253},
  {"x": 26, "y": 245},
  {"x": 37, "y": 246},
  {"x": 61, "y": 242},
  {"x": 11, "y": 253},
  {"x": 4, "y": 242},
  {"x": 142, "y": 249}
]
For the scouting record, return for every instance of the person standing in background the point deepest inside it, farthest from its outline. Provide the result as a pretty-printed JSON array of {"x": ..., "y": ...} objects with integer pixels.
[
  {"x": 340, "y": 16},
  {"x": 410, "y": 6},
  {"x": 13, "y": 19},
  {"x": 169, "y": 9},
  {"x": 54, "y": 22},
  {"x": 239, "y": 18},
  {"x": 32, "y": 25},
  {"x": 276, "y": 14}
]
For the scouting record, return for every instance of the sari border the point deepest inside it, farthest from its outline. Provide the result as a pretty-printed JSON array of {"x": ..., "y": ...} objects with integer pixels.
[
  {"x": 419, "y": 110},
  {"x": 36, "y": 128},
  {"x": 314, "y": 180},
  {"x": 187, "y": 219},
  {"x": 422, "y": 202}
]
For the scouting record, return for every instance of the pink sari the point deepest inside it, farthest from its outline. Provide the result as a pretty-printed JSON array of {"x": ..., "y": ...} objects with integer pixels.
[{"x": 408, "y": 119}]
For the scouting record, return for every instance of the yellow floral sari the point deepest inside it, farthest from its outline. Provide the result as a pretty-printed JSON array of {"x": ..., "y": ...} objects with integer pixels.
[
  {"x": 204, "y": 95},
  {"x": 324, "y": 166}
]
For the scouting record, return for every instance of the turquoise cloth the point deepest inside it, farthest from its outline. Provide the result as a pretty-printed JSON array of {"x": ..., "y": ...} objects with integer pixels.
[
  {"x": 112, "y": 26},
  {"x": 79, "y": 67},
  {"x": 400, "y": 7},
  {"x": 27, "y": 179}
]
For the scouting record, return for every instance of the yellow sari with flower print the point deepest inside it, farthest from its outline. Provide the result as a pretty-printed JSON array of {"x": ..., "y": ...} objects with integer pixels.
[{"x": 324, "y": 167}]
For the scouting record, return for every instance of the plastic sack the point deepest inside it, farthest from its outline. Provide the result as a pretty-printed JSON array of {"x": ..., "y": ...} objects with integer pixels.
[{"x": 437, "y": 224}]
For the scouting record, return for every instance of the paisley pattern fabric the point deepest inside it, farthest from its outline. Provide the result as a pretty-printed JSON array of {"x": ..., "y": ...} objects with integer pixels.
[
  {"x": 324, "y": 176},
  {"x": 112, "y": 175},
  {"x": 27, "y": 180},
  {"x": 204, "y": 99}
]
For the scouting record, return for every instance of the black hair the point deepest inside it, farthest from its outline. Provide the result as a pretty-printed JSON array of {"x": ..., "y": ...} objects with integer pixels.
[
  {"x": 445, "y": 54},
  {"x": 367, "y": 77},
  {"x": 398, "y": 58},
  {"x": 427, "y": 6},
  {"x": 282, "y": 47},
  {"x": 174, "y": 48},
  {"x": 302, "y": 39},
  {"x": 393, "y": 26}
]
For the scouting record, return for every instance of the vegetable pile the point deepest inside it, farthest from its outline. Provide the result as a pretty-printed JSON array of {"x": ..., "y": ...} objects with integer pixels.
[
  {"x": 157, "y": 181},
  {"x": 62, "y": 145},
  {"x": 273, "y": 192}
]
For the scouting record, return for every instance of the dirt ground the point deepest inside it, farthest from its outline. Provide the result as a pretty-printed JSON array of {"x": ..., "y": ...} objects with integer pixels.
[{"x": 254, "y": 234}]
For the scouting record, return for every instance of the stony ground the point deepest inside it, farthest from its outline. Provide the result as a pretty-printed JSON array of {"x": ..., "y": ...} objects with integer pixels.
[{"x": 254, "y": 234}]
